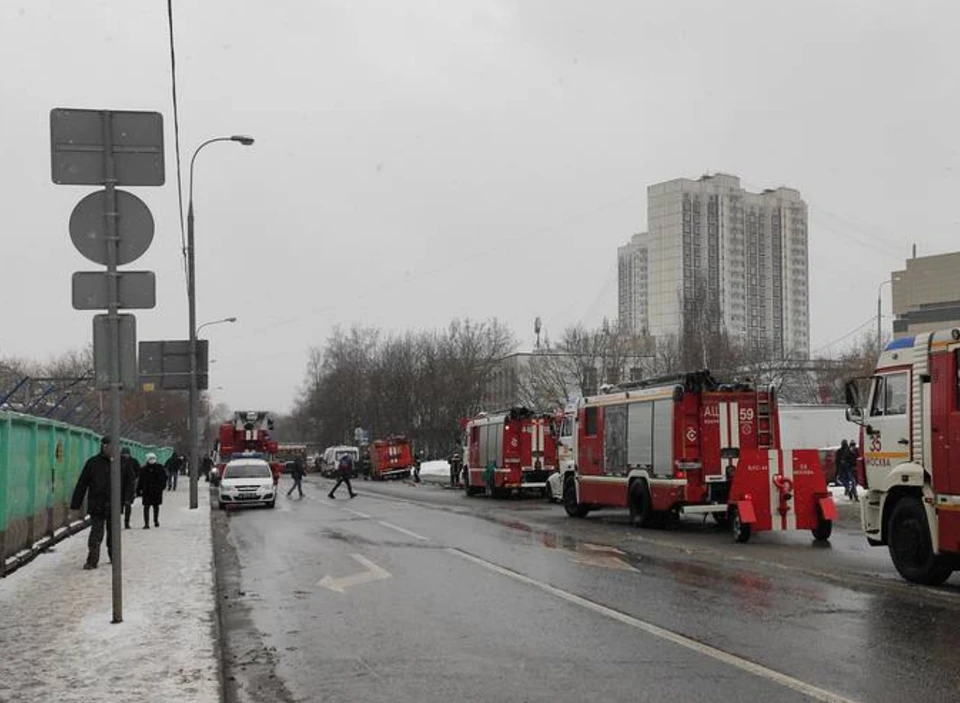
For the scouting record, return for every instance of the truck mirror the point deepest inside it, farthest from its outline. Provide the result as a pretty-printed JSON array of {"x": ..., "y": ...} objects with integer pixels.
[
  {"x": 852, "y": 393},
  {"x": 855, "y": 415}
]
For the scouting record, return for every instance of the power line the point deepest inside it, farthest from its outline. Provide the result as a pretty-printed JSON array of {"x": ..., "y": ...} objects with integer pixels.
[
  {"x": 872, "y": 234},
  {"x": 870, "y": 320},
  {"x": 176, "y": 133},
  {"x": 611, "y": 277},
  {"x": 865, "y": 238},
  {"x": 872, "y": 242}
]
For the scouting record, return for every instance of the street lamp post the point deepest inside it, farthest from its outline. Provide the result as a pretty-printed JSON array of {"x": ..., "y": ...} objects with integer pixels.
[
  {"x": 194, "y": 429},
  {"x": 215, "y": 322},
  {"x": 222, "y": 321},
  {"x": 880, "y": 316}
]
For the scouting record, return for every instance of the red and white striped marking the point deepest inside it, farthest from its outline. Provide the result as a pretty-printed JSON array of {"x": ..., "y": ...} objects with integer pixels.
[{"x": 729, "y": 431}]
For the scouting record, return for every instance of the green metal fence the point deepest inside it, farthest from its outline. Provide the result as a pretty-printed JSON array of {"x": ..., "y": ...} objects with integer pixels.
[{"x": 40, "y": 461}]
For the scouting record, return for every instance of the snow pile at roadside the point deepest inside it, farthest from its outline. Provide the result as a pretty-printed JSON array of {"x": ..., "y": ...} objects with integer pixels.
[
  {"x": 58, "y": 643},
  {"x": 435, "y": 468}
]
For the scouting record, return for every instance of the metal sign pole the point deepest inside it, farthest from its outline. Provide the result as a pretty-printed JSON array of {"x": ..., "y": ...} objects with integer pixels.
[{"x": 113, "y": 302}]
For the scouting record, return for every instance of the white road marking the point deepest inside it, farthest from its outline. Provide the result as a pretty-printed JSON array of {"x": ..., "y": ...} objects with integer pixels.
[
  {"x": 355, "y": 512},
  {"x": 759, "y": 670},
  {"x": 403, "y": 530},
  {"x": 340, "y": 585}
]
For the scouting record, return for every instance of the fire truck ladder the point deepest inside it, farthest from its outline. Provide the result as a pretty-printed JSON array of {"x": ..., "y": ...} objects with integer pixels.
[{"x": 764, "y": 426}]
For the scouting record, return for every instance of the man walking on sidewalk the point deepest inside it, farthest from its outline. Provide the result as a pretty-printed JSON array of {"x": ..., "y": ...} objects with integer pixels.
[
  {"x": 296, "y": 473},
  {"x": 130, "y": 473},
  {"x": 345, "y": 467},
  {"x": 153, "y": 479},
  {"x": 94, "y": 485},
  {"x": 173, "y": 471}
]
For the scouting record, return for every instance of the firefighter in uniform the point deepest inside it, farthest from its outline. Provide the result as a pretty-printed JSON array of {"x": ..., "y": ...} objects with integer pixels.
[{"x": 456, "y": 464}]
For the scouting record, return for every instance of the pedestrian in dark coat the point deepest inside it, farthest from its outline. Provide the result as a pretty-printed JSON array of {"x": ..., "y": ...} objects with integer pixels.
[
  {"x": 853, "y": 456},
  {"x": 172, "y": 467},
  {"x": 296, "y": 473},
  {"x": 94, "y": 485},
  {"x": 153, "y": 479},
  {"x": 205, "y": 465},
  {"x": 416, "y": 466},
  {"x": 130, "y": 474},
  {"x": 456, "y": 463},
  {"x": 345, "y": 469},
  {"x": 843, "y": 460}
]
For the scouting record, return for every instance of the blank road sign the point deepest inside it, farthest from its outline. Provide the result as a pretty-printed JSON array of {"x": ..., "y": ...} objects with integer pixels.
[
  {"x": 137, "y": 290},
  {"x": 165, "y": 365},
  {"x": 134, "y": 227},
  {"x": 78, "y": 145},
  {"x": 103, "y": 350}
]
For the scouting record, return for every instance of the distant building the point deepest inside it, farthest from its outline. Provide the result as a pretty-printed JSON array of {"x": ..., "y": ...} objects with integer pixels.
[
  {"x": 926, "y": 294},
  {"x": 717, "y": 255},
  {"x": 509, "y": 383},
  {"x": 632, "y": 285},
  {"x": 547, "y": 378}
]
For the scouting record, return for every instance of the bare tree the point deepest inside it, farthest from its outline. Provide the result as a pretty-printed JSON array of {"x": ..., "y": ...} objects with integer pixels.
[
  {"x": 581, "y": 362},
  {"x": 418, "y": 384}
]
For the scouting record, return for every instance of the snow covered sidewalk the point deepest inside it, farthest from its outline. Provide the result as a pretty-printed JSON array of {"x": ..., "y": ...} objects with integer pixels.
[{"x": 56, "y": 639}]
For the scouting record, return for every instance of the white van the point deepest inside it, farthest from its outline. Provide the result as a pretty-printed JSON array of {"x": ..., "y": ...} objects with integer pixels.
[{"x": 331, "y": 458}]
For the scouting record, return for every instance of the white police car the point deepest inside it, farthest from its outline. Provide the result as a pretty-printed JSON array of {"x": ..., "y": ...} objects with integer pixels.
[{"x": 247, "y": 482}]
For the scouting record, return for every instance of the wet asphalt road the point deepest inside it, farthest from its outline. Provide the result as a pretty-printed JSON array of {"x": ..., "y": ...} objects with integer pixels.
[{"x": 420, "y": 594}]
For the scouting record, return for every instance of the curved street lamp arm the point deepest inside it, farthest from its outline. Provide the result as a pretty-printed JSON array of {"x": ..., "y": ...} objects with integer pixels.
[{"x": 194, "y": 158}]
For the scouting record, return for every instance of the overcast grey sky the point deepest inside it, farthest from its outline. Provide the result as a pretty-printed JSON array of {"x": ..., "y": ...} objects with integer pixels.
[{"x": 417, "y": 160}]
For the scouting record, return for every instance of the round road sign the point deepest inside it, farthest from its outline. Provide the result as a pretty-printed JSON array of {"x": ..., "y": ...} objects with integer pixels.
[{"x": 88, "y": 228}]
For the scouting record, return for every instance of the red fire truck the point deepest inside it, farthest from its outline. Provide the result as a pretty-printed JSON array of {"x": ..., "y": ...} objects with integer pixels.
[
  {"x": 509, "y": 451},
  {"x": 249, "y": 435},
  {"x": 391, "y": 458},
  {"x": 910, "y": 432},
  {"x": 690, "y": 445}
]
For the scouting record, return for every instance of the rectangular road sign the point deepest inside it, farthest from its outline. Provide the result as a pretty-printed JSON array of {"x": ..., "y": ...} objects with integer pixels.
[
  {"x": 102, "y": 350},
  {"x": 165, "y": 366},
  {"x": 77, "y": 147},
  {"x": 137, "y": 290}
]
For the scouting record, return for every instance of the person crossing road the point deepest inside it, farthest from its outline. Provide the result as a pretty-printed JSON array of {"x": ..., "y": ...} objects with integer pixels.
[
  {"x": 345, "y": 470},
  {"x": 296, "y": 473}
]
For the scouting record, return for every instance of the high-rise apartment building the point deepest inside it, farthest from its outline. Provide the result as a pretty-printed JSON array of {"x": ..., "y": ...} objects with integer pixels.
[
  {"x": 632, "y": 285},
  {"x": 718, "y": 257}
]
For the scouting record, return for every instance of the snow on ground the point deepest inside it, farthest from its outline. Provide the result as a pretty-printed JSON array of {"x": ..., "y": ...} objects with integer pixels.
[
  {"x": 838, "y": 492},
  {"x": 56, "y": 639}
]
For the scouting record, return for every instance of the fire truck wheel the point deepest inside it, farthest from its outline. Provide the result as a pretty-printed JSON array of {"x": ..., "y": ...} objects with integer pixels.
[
  {"x": 641, "y": 509},
  {"x": 722, "y": 519},
  {"x": 823, "y": 530},
  {"x": 570, "y": 504},
  {"x": 909, "y": 543},
  {"x": 741, "y": 530}
]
